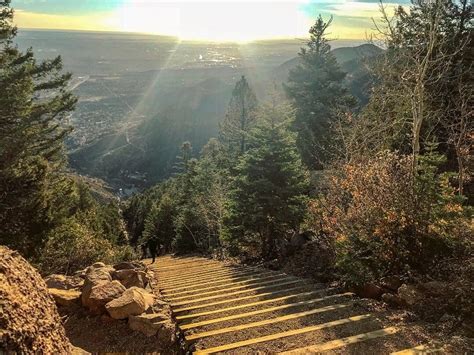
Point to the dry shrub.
(73, 246)
(386, 222)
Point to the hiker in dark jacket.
(152, 245)
(144, 249)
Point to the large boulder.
(369, 290)
(391, 283)
(132, 277)
(102, 294)
(126, 265)
(29, 320)
(93, 277)
(148, 324)
(134, 301)
(409, 294)
(66, 298)
(392, 299)
(62, 282)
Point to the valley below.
(140, 96)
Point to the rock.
(435, 288)
(62, 282)
(98, 265)
(129, 265)
(78, 351)
(80, 273)
(447, 318)
(167, 335)
(299, 239)
(29, 319)
(409, 294)
(102, 294)
(66, 298)
(392, 299)
(391, 283)
(148, 324)
(93, 278)
(369, 290)
(131, 277)
(134, 301)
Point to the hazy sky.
(197, 19)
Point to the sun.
(213, 21)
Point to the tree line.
(47, 213)
(387, 186)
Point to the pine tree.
(159, 224)
(268, 196)
(240, 118)
(34, 101)
(317, 92)
(211, 185)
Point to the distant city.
(126, 82)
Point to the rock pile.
(120, 292)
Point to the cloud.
(95, 22)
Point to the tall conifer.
(317, 92)
(34, 102)
(268, 198)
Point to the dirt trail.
(243, 310)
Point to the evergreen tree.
(240, 118)
(186, 222)
(317, 92)
(33, 103)
(211, 184)
(268, 196)
(159, 224)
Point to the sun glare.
(214, 21)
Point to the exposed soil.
(105, 335)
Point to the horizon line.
(177, 38)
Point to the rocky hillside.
(29, 321)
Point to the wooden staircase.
(247, 310)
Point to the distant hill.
(343, 55)
(351, 59)
(346, 54)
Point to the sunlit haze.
(195, 19)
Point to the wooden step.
(226, 290)
(205, 305)
(419, 350)
(198, 300)
(266, 321)
(253, 304)
(280, 335)
(260, 311)
(201, 279)
(339, 343)
(205, 281)
(248, 281)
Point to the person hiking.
(144, 248)
(152, 245)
